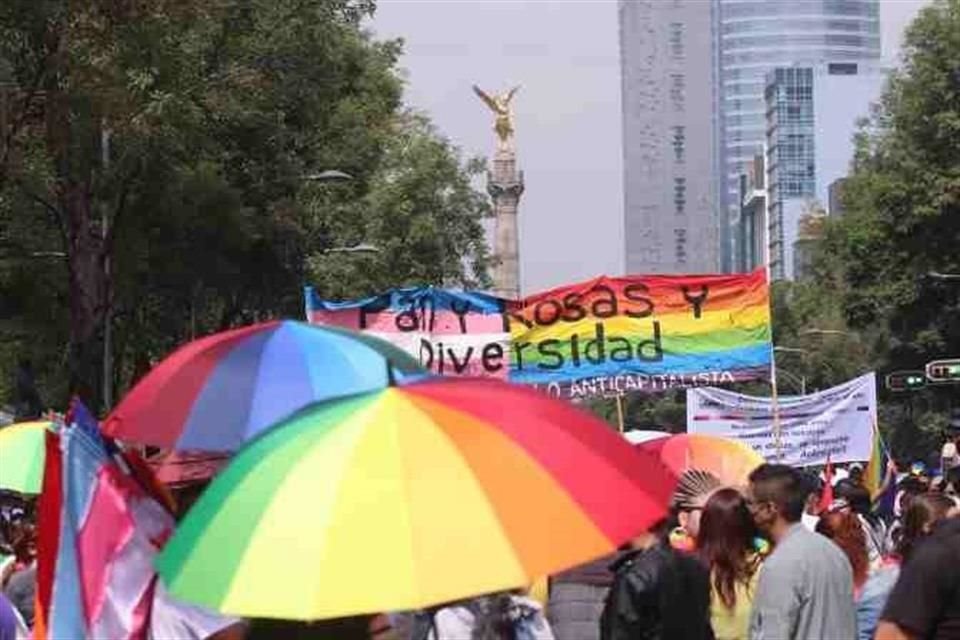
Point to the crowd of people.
(778, 561)
(789, 556)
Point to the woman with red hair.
(872, 583)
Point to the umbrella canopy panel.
(410, 497)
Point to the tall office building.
(670, 135)
(756, 36)
(811, 119)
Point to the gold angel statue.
(500, 104)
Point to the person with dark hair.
(498, 616)
(693, 489)
(658, 593)
(727, 544)
(872, 582)
(811, 509)
(805, 589)
(922, 514)
(925, 603)
(858, 498)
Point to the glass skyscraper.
(756, 36)
(790, 161)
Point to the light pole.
(361, 248)
(328, 175)
(802, 378)
(946, 277)
(825, 332)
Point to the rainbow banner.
(605, 336)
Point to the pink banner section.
(438, 322)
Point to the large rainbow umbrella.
(217, 392)
(409, 497)
(22, 456)
(730, 460)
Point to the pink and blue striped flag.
(101, 577)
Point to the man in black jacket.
(658, 593)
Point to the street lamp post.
(801, 378)
(361, 248)
(947, 277)
(825, 332)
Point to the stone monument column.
(505, 185)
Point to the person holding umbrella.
(661, 592)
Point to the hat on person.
(949, 455)
(694, 486)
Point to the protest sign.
(601, 337)
(836, 423)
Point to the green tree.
(902, 222)
(421, 214)
(903, 203)
(162, 148)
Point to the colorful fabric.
(268, 371)
(22, 452)
(99, 583)
(439, 490)
(607, 335)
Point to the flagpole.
(775, 405)
(619, 399)
(774, 394)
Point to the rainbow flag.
(875, 473)
(877, 466)
(603, 336)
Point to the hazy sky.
(565, 54)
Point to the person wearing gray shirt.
(805, 589)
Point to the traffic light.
(906, 381)
(943, 371)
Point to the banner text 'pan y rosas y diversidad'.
(603, 336)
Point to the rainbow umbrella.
(216, 393)
(22, 455)
(730, 460)
(409, 497)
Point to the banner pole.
(775, 405)
(619, 399)
(774, 393)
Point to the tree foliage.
(903, 203)
(153, 174)
(901, 223)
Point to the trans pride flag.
(99, 532)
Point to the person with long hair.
(727, 544)
(923, 512)
(661, 591)
(872, 581)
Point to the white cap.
(949, 452)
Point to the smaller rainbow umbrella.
(22, 455)
(409, 497)
(217, 392)
(729, 460)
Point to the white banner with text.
(836, 423)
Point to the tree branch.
(51, 208)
